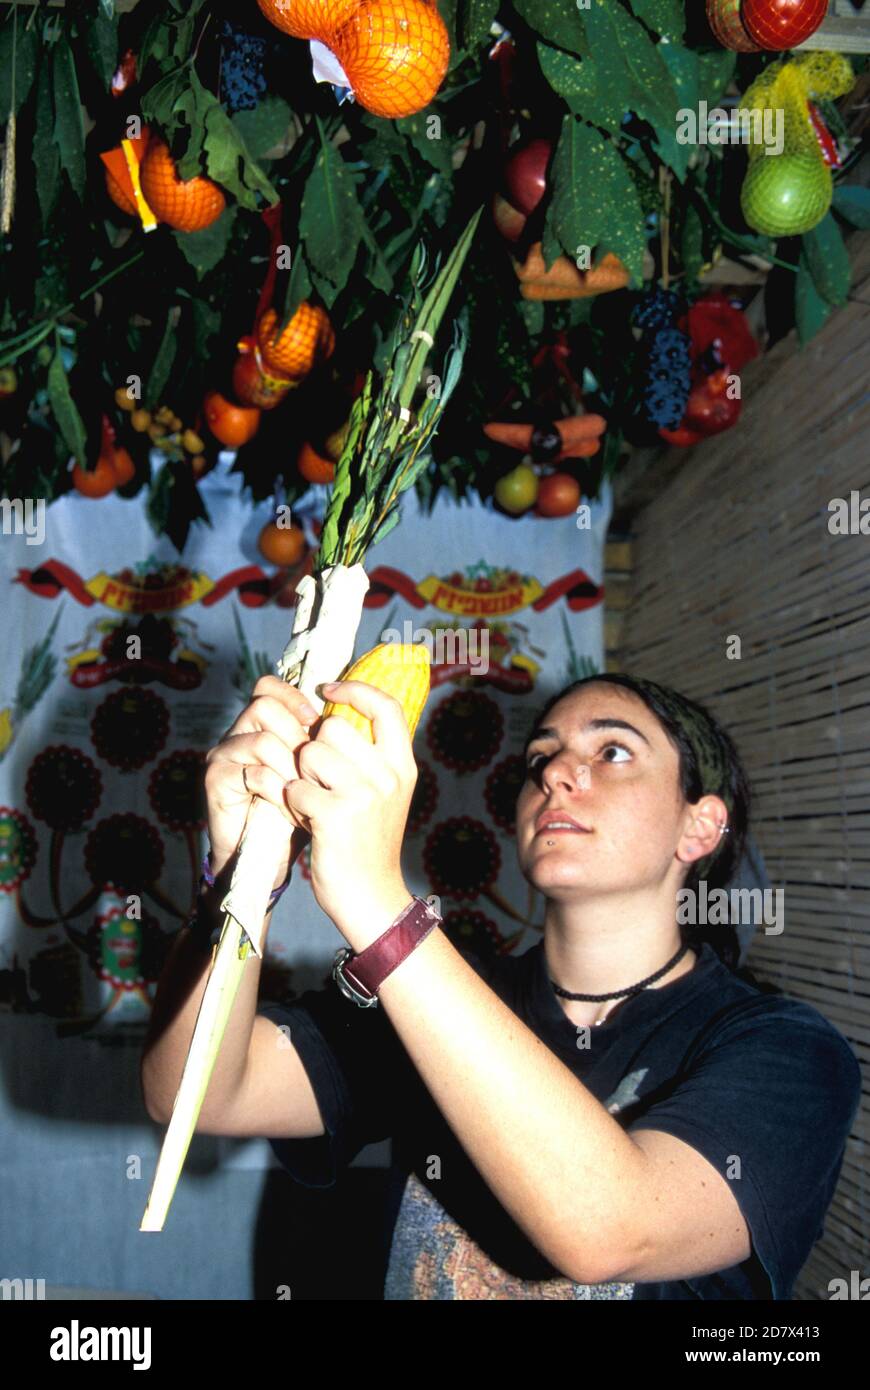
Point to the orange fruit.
(188, 205)
(124, 467)
(395, 54)
(282, 545)
(307, 340)
(232, 424)
(98, 481)
(309, 19)
(313, 466)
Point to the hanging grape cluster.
(243, 62)
(667, 378)
(660, 309)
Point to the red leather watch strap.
(370, 968)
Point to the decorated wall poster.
(125, 662)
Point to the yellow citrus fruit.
(140, 420)
(395, 54)
(188, 205)
(309, 19)
(123, 399)
(307, 340)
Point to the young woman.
(613, 1114)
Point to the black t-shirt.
(761, 1085)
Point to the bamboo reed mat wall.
(738, 544)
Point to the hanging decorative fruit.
(517, 491)
(188, 205)
(525, 175)
(713, 406)
(395, 55)
(252, 385)
(307, 340)
(787, 194)
(335, 442)
(233, 425)
(781, 24)
(313, 466)
(282, 545)
(509, 221)
(98, 481)
(726, 21)
(575, 436)
(558, 495)
(309, 19)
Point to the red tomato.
(780, 24)
(558, 495)
(526, 175)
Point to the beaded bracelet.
(275, 894)
(200, 925)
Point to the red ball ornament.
(781, 24)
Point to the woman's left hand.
(356, 796)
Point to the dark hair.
(718, 867)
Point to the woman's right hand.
(257, 756)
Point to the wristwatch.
(360, 977)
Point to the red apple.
(781, 24)
(558, 495)
(526, 175)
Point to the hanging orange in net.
(395, 54)
(307, 340)
(188, 205)
(309, 19)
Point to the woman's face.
(621, 784)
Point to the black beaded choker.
(622, 993)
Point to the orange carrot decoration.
(579, 435)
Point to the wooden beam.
(839, 34)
